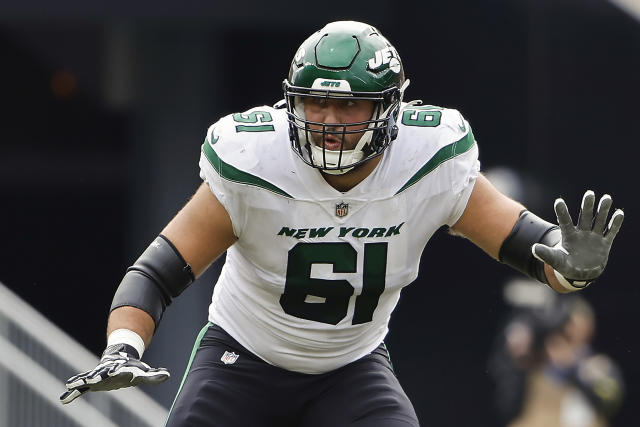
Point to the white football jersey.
(312, 280)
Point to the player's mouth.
(332, 143)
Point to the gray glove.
(582, 254)
(119, 367)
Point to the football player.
(324, 203)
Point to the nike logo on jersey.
(360, 232)
(462, 126)
(212, 138)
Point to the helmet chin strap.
(333, 157)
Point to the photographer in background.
(545, 371)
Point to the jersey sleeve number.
(252, 119)
(426, 116)
(336, 293)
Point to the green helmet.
(345, 59)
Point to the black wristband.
(516, 248)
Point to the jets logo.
(328, 83)
(299, 55)
(387, 55)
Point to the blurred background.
(105, 106)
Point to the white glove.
(119, 367)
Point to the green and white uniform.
(315, 274)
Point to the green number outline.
(253, 117)
(426, 116)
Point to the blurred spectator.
(545, 371)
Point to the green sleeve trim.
(228, 172)
(447, 152)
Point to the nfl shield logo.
(229, 357)
(342, 209)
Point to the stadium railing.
(36, 357)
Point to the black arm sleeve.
(158, 276)
(516, 248)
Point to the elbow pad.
(158, 276)
(516, 248)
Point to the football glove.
(119, 367)
(582, 254)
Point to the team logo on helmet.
(387, 55)
(342, 209)
(330, 84)
(299, 55)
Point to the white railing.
(632, 7)
(36, 357)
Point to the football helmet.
(344, 59)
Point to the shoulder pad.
(256, 120)
(432, 116)
(435, 142)
(251, 148)
(241, 132)
(435, 127)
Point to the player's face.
(337, 111)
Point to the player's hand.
(119, 367)
(582, 254)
